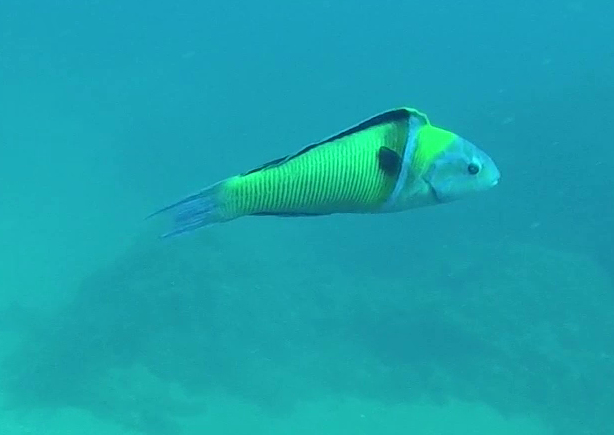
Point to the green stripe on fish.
(348, 172)
(391, 162)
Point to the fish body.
(393, 161)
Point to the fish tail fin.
(195, 211)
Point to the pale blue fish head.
(461, 170)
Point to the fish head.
(460, 169)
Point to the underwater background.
(493, 315)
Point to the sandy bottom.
(335, 415)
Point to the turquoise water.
(487, 316)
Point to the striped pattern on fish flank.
(341, 174)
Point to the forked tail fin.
(194, 212)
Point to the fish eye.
(473, 168)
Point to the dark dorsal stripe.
(383, 118)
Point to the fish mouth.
(496, 176)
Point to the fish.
(391, 162)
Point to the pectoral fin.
(389, 161)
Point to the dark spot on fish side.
(389, 161)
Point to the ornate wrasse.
(394, 161)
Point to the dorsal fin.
(267, 165)
(383, 118)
